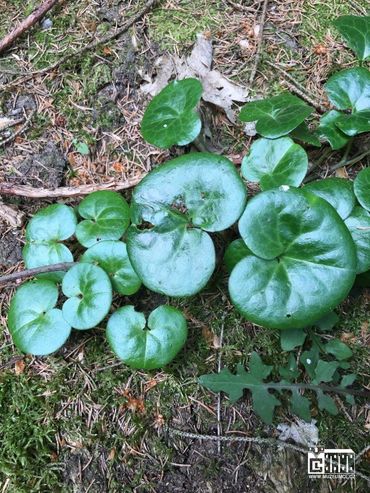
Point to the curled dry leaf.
(19, 367)
(217, 89)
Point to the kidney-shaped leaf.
(275, 162)
(362, 188)
(354, 124)
(276, 116)
(45, 231)
(350, 89)
(356, 31)
(337, 191)
(89, 293)
(112, 257)
(170, 117)
(171, 210)
(147, 346)
(107, 216)
(358, 224)
(304, 260)
(36, 326)
(328, 130)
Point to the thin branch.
(19, 131)
(351, 162)
(24, 274)
(30, 21)
(91, 46)
(260, 43)
(40, 193)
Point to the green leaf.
(338, 349)
(286, 285)
(147, 347)
(89, 293)
(337, 191)
(363, 280)
(358, 224)
(361, 187)
(82, 148)
(300, 405)
(257, 368)
(303, 134)
(327, 322)
(170, 117)
(325, 370)
(348, 380)
(235, 251)
(107, 216)
(275, 162)
(172, 208)
(48, 227)
(112, 257)
(264, 402)
(309, 360)
(328, 130)
(36, 326)
(354, 124)
(276, 116)
(350, 89)
(289, 372)
(356, 31)
(326, 403)
(292, 338)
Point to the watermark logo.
(331, 463)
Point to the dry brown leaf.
(112, 454)
(341, 172)
(19, 367)
(348, 337)
(364, 329)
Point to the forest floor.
(80, 421)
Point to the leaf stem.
(325, 388)
(23, 274)
(351, 162)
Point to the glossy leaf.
(292, 338)
(235, 251)
(275, 162)
(356, 31)
(362, 188)
(112, 257)
(107, 216)
(303, 134)
(89, 293)
(276, 116)
(36, 326)
(337, 191)
(286, 284)
(45, 231)
(170, 117)
(338, 349)
(358, 224)
(350, 89)
(354, 124)
(328, 130)
(172, 208)
(147, 346)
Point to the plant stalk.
(23, 274)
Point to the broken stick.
(30, 21)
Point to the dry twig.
(260, 42)
(30, 21)
(13, 217)
(19, 131)
(23, 274)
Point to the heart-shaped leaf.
(337, 191)
(45, 231)
(350, 89)
(276, 116)
(303, 133)
(354, 124)
(36, 326)
(275, 162)
(362, 188)
(286, 284)
(328, 130)
(107, 216)
(147, 346)
(356, 31)
(358, 224)
(172, 207)
(235, 251)
(112, 257)
(170, 117)
(89, 293)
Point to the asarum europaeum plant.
(300, 251)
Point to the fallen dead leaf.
(341, 172)
(112, 454)
(348, 337)
(320, 49)
(19, 367)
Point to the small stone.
(46, 24)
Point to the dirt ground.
(79, 421)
